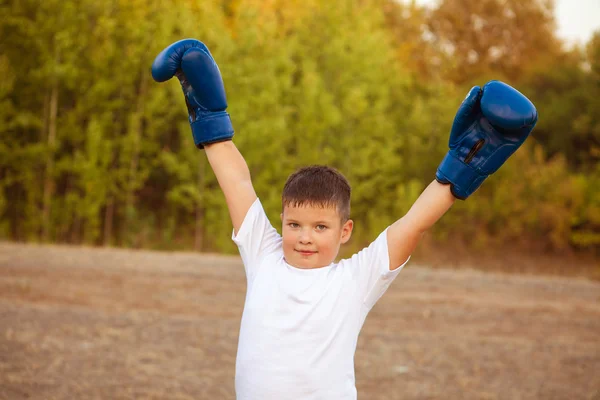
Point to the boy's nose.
(304, 237)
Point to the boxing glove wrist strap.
(464, 178)
(212, 129)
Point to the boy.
(303, 312)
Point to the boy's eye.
(321, 227)
(293, 225)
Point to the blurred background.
(98, 171)
(94, 152)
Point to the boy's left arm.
(404, 235)
(490, 125)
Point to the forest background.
(94, 152)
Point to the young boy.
(303, 311)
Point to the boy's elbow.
(405, 232)
(414, 226)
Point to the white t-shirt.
(300, 327)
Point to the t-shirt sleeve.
(372, 266)
(256, 239)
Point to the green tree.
(567, 94)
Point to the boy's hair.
(318, 185)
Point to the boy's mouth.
(306, 252)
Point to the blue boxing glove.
(489, 127)
(201, 81)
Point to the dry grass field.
(81, 323)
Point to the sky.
(576, 19)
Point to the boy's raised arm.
(404, 234)
(234, 178)
(191, 62)
(490, 125)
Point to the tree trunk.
(75, 231)
(49, 179)
(45, 118)
(199, 235)
(133, 165)
(108, 221)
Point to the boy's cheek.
(288, 242)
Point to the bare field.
(82, 323)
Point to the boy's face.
(312, 235)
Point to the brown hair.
(318, 185)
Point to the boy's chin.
(303, 262)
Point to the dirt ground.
(82, 323)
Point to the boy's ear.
(347, 231)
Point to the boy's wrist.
(217, 144)
(226, 161)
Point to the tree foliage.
(92, 151)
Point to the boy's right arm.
(233, 175)
(191, 62)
